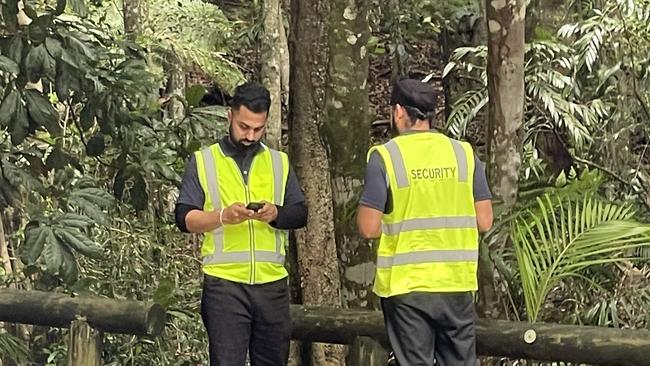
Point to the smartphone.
(255, 206)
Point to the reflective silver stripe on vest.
(428, 256)
(446, 222)
(244, 257)
(278, 179)
(400, 168)
(219, 256)
(461, 160)
(213, 189)
(398, 164)
(278, 175)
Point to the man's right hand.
(236, 214)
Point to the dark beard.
(238, 144)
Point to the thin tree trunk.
(272, 69)
(176, 84)
(132, 13)
(347, 135)
(316, 246)
(505, 24)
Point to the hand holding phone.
(255, 206)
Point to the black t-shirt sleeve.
(191, 191)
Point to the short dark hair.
(253, 96)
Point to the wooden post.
(85, 347)
(366, 351)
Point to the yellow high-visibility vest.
(251, 252)
(429, 242)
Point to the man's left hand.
(267, 213)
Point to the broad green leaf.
(60, 7)
(52, 253)
(19, 126)
(75, 221)
(95, 196)
(9, 13)
(96, 145)
(53, 47)
(69, 268)
(34, 63)
(8, 107)
(42, 111)
(8, 65)
(194, 94)
(35, 239)
(87, 116)
(80, 47)
(15, 51)
(79, 242)
(57, 159)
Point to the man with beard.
(244, 197)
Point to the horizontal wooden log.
(59, 310)
(539, 341)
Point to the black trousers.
(240, 317)
(423, 326)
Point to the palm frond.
(559, 239)
(465, 110)
(12, 348)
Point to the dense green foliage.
(90, 159)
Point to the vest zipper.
(251, 232)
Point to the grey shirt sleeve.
(375, 190)
(481, 187)
(376, 193)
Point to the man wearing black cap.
(426, 197)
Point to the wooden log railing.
(87, 318)
(538, 341)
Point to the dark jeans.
(423, 326)
(240, 317)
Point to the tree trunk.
(505, 69)
(316, 246)
(85, 345)
(132, 11)
(59, 310)
(272, 69)
(538, 341)
(176, 84)
(348, 137)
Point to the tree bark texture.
(85, 347)
(176, 84)
(505, 70)
(132, 12)
(316, 246)
(506, 91)
(59, 310)
(347, 135)
(272, 69)
(538, 341)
